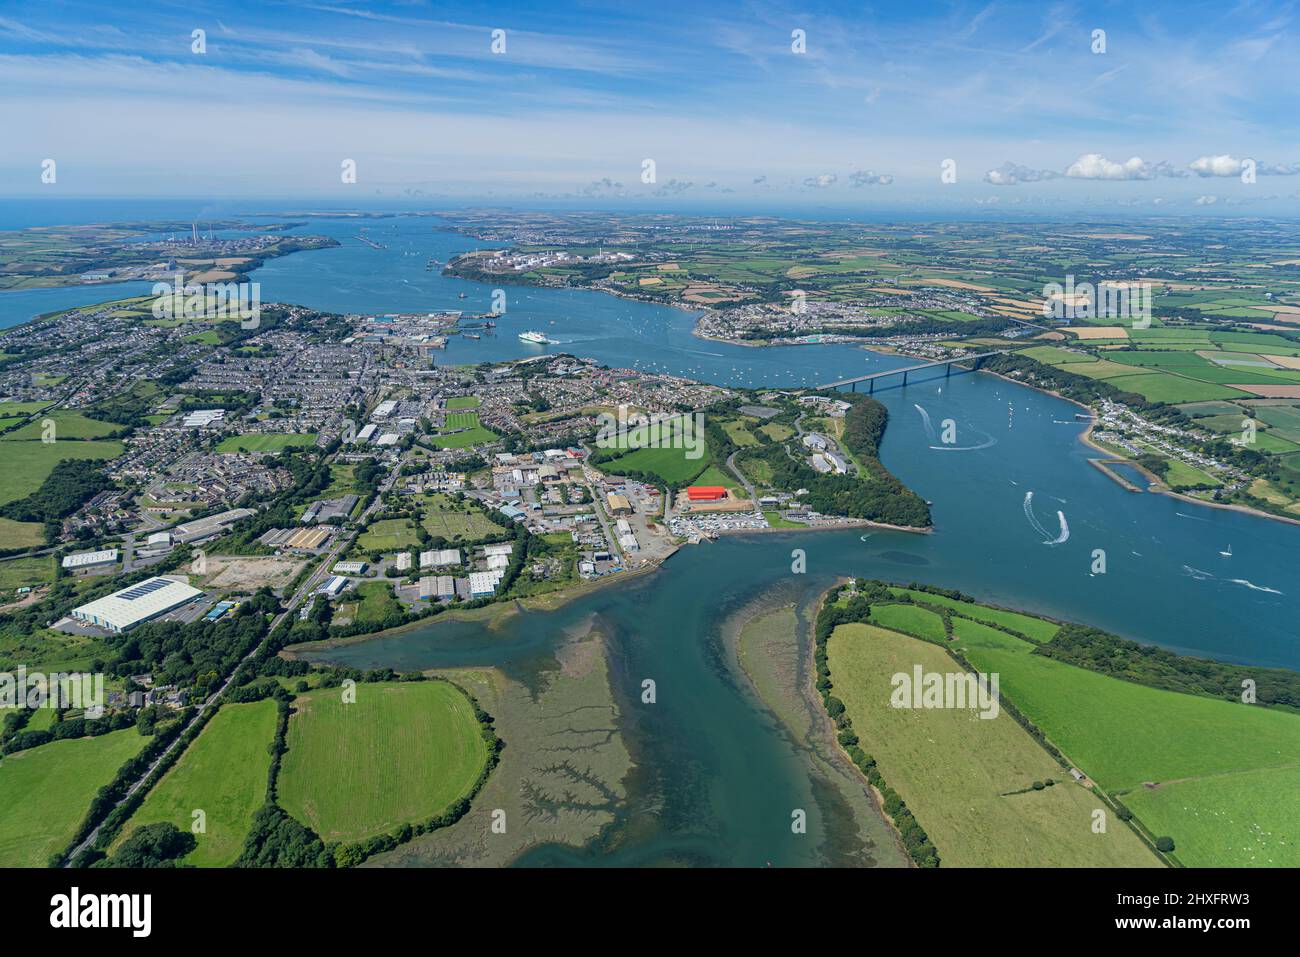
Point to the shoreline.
(1162, 488)
(489, 615)
(838, 527)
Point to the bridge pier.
(947, 369)
(904, 377)
(853, 386)
(871, 387)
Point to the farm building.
(130, 606)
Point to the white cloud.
(1209, 200)
(1221, 165)
(866, 177)
(1096, 166)
(1012, 174)
(821, 182)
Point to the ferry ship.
(534, 337)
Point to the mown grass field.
(401, 753)
(910, 620)
(266, 442)
(387, 535)
(1128, 737)
(223, 773)
(957, 771)
(65, 424)
(671, 465)
(464, 402)
(1246, 819)
(45, 792)
(466, 522)
(28, 464)
(473, 434)
(1037, 628)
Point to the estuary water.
(1021, 519)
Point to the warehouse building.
(483, 584)
(130, 606)
(209, 526)
(440, 556)
(618, 504)
(706, 493)
(350, 568)
(437, 588)
(334, 587)
(107, 556)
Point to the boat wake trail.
(1062, 536)
(929, 434)
(1204, 576)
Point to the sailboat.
(1227, 553)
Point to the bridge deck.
(906, 369)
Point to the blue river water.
(1017, 461)
(1019, 518)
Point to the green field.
(671, 465)
(27, 464)
(388, 535)
(1248, 818)
(45, 792)
(473, 434)
(400, 754)
(267, 442)
(464, 402)
(910, 620)
(17, 572)
(66, 425)
(223, 773)
(1164, 387)
(1038, 629)
(464, 522)
(1127, 736)
(969, 780)
(376, 602)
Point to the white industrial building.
(437, 588)
(350, 568)
(403, 561)
(440, 556)
(107, 556)
(203, 418)
(482, 584)
(209, 526)
(505, 548)
(367, 433)
(384, 409)
(334, 587)
(130, 606)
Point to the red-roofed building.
(706, 493)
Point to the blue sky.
(1013, 93)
